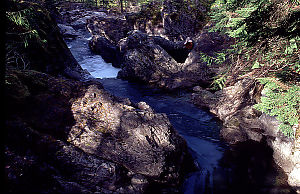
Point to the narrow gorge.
(104, 102)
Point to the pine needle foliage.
(21, 32)
(20, 25)
(282, 102)
(267, 41)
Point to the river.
(247, 168)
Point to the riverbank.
(134, 91)
(66, 134)
(233, 105)
(131, 146)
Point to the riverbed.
(246, 168)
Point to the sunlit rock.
(88, 139)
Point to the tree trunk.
(121, 5)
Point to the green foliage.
(269, 26)
(267, 41)
(22, 32)
(20, 19)
(21, 24)
(219, 82)
(281, 102)
(217, 59)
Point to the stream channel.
(246, 168)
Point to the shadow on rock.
(67, 136)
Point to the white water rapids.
(93, 63)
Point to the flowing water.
(88, 60)
(246, 168)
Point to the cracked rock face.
(146, 61)
(141, 140)
(70, 136)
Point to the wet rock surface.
(71, 136)
(155, 60)
(145, 61)
(74, 137)
(67, 136)
(286, 151)
(67, 31)
(167, 64)
(232, 106)
(109, 52)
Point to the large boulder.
(67, 31)
(145, 60)
(72, 137)
(232, 105)
(286, 151)
(102, 46)
(177, 49)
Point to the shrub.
(281, 101)
(267, 41)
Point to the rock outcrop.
(67, 31)
(66, 135)
(241, 122)
(109, 52)
(155, 60)
(177, 50)
(286, 151)
(69, 136)
(78, 17)
(232, 105)
(146, 61)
